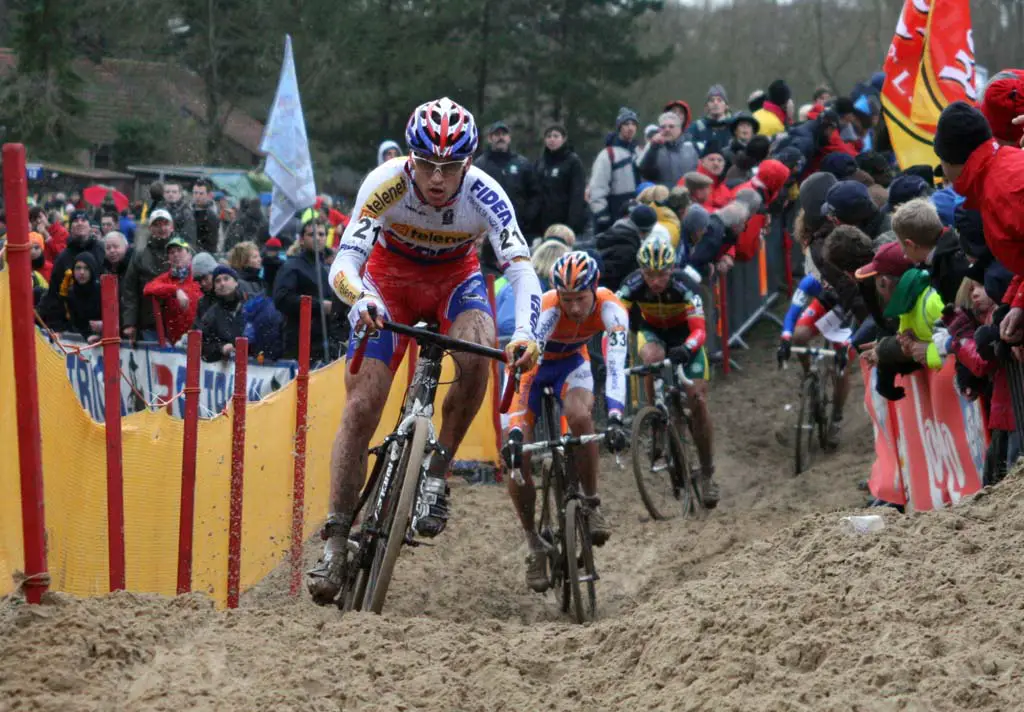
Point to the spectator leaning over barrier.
(562, 182)
(849, 203)
(619, 244)
(771, 117)
(905, 188)
(614, 175)
(146, 264)
(699, 186)
(245, 260)
(669, 155)
(224, 321)
(298, 277)
(80, 240)
(712, 164)
(203, 266)
(204, 213)
(745, 160)
(181, 211)
(80, 291)
(926, 242)
(176, 292)
(715, 125)
(272, 262)
(656, 197)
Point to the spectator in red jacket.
(712, 165)
(991, 179)
(175, 291)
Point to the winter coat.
(184, 220)
(250, 282)
(51, 306)
(83, 300)
(164, 288)
(613, 181)
(271, 265)
(515, 174)
(720, 194)
(716, 239)
(771, 119)
(146, 264)
(58, 241)
(918, 307)
(206, 303)
(965, 348)
(127, 227)
(991, 181)
(948, 266)
(706, 129)
(562, 183)
(666, 163)
(222, 323)
(296, 278)
(207, 229)
(618, 247)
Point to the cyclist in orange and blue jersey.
(571, 313)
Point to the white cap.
(160, 214)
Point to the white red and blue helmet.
(442, 129)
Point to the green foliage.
(140, 141)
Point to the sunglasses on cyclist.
(447, 169)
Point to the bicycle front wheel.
(395, 523)
(658, 460)
(579, 554)
(806, 425)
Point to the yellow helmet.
(656, 253)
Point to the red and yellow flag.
(930, 64)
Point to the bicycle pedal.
(414, 542)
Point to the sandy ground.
(765, 605)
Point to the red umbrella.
(96, 194)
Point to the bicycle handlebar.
(564, 441)
(813, 351)
(652, 368)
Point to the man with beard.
(562, 182)
(146, 264)
(80, 240)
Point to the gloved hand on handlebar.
(785, 350)
(529, 356)
(615, 438)
(368, 311)
(681, 354)
(512, 451)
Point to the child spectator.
(81, 293)
(927, 242)
(176, 292)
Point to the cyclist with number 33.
(571, 314)
(409, 255)
(668, 313)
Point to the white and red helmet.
(442, 129)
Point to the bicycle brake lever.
(517, 476)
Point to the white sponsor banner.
(158, 374)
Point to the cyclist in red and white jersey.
(409, 251)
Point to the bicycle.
(394, 483)
(564, 524)
(814, 416)
(667, 419)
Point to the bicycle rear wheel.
(806, 424)
(579, 556)
(398, 513)
(658, 460)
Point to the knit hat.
(35, 238)
(203, 264)
(626, 114)
(849, 202)
(1002, 102)
(841, 165)
(712, 147)
(695, 220)
(779, 93)
(643, 216)
(717, 90)
(225, 269)
(273, 244)
(961, 129)
(812, 196)
(905, 188)
(758, 148)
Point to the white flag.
(284, 141)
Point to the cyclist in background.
(665, 309)
(409, 254)
(572, 312)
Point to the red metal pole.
(158, 320)
(189, 446)
(237, 469)
(787, 254)
(301, 409)
(112, 428)
(723, 321)
(26, 391)
(495, 376)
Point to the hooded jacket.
(666, 163)
(618, 246)
(83, 300)
(386, 146)
(707, 129)
(51, 306)
(720, 194)
(918, 307)
(562, 183)
(613, 181)
(991, 182)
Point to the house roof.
(98, 174)
(119, 88)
